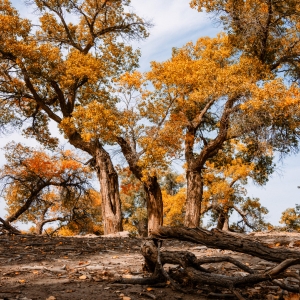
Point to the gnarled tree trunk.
(154, 204)
(109, 183)
(219, 239)
(194, 198)
(5, 226)
(142, 227)
(109, 188)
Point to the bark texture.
(194, 198)
(223, 220)
(151, 185)
(111, 204)
(154, 204)
(219, 239)
(109, 182)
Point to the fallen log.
(219, 239)
(189, 271)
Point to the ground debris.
(68, 268)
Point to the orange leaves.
(253, 27)
(37, 163)
(198, 72)
(131, 80)
(11, 23)
(43, 187)
(79, 66)
(279, 102)
(41, 165)
(291, 218)
(62, 65)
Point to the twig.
(149, 295)
(82, 266)
(286, 287)
(238, 295)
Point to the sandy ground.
(33, 267)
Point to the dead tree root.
(190, 272)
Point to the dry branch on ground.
(190, 271)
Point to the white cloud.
(175, 24)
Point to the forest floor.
(74, 268)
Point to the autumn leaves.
(42, 188)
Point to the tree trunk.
(151, 187)
(109, 188)
(142, 227)
(6, 226)
(108, 179)
(226, 223)
(194, 199)
(154, 204)
(223, 220)
(39, 228)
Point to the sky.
(176, 24)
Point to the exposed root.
(191, 272)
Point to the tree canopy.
(41, 188)
(65, 62)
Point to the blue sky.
(175, 24)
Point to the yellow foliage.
(96, 121)
(174, 207)
(65, 231)
(55, 71)
(291, 218)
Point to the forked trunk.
(194, 199)
(154, 204)
(109, 185)
(151, 187)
